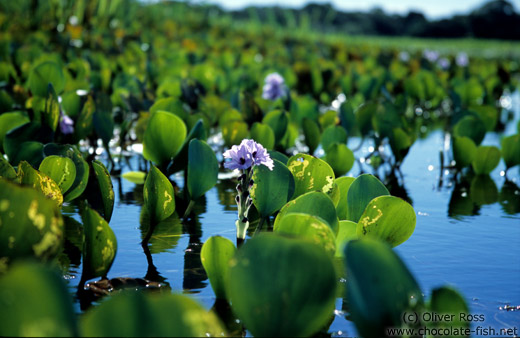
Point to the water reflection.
(510, 198)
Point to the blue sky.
(433, 9)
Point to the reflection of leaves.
(226, 194)
(510, 198)
(483, 190)
(460, 201)
(166, 234)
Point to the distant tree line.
(496, 19)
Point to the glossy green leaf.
(312, 203)
(82, 169)
(263, 134)
(60, 169)
(472, 127)
(343, 187)
(100, 246)
(271, 189)
(106, 190)
(10, 121)
(486, 159)
(136, 177)
(180, 161)
(158, 195)
(40, 181)
(170, 104)
(464, 151)
(347, 232)
(276, 155)
(163, 137)
(387, 218)
(215, 255)
(6, 170)
(202, 168)
(278, 121)
(17, 149)
(51, 114)
(312, 134)
(311, 228)
(42, 75)
(364, 189)
(141, 314)
(448, 303)
(35, 302)
(294, 285)
(85, 121)
(511, 150)
(31, 225)
(310, 174)
(340, 158)
(234, 132)
(333, 134)
(379, 287)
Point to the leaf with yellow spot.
(40, 181)
(310, 174)
(158, 195)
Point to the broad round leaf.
(234, 132)
(340, 158)
(464, 150)
(263, 134)
(215, 255)
(40, 181)
(364, 189)
(138, 314)
(82, 170)
(472, 127)
(278, 121)
(294, 285)
(447, 301)
(35, 302)
(311, 228)
(202, 168)
(180, 161)
(158, 195)
(10, 121)
(313, 203)
(379, 287)
(333, 134)
(486, 159)
(106, 190)
(511, 150)
(14, 141)
(271, 189)
(6, 170)
(387, 218)
(343, 186)
(100, 246)
(312, 134)
(346, 233)
(42, 75)
(60, 169)
(310, 174)
(163, 137)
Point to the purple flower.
(66, 124)
(247, 154)
(274, 87)
(443, 63)
(462, 59)
(430, 55)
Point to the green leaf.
(136, 177)
(100, 246)
(488, 115)
(333, 134)
(278, 121)
(276, 155)
(85, 121)
(310, 174)
(234, 132)
(448, 303)
(10, 121)
(171, 105)
(387, 218)
(271, 189)
(472, 127)
(51, 114)
(141, 314)
(511, 150)
(6, 170)
(215, 255)
(35, 302)
(312, 134)
(42, 75)
(364, 117)
(343, 185)
(379, 287)
(346, 233)
(30, 151)
(163, 137)
(104, 125)
(40, 181)
(400, 142)
(263, 134)
(364, 189)
(311, 228)
(340, 158)
(180, 161)
(61, 170)
(312, 203)
(486, 159)
(202, 168)
(31, 225)
(464, 150)
(30, 132)
(294, 285)
(82, 169)
(158, 195)
(105, 188)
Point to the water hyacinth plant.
(244, 157)
(274, 87)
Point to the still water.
(466, 236)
